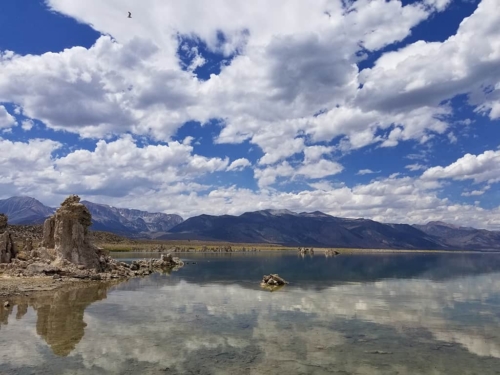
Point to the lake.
(352, 314)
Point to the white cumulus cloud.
(6, 119)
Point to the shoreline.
(13, 286)
(318, 251)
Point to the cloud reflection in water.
(380, 325)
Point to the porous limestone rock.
(3, 221)
(28, 245)
(7, 247)
(67, 252)
(48, 233)
(25, 253)
(67, 233)
(273, 280)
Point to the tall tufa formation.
(67, 233)
(3, 222)
(7, 248)
(66, 251)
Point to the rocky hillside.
(35, 232)
(25, 210)
(123, 221)
(129, 222)
(304, 229)
(315, 229)
(462, 237)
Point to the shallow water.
(353, 314)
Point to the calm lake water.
(353, 314)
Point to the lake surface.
(352, 314)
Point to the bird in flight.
(129, 15)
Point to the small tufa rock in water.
(6, 304)
(273, 280)
(304, 250)
(331, 253)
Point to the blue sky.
(381, 109)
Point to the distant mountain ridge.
(285, 227)
(27, 210)
(304, 229)
(462, 237)
(320, 229)
(129, 221)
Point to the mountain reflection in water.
(356, 314)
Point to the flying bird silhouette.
(129, 15)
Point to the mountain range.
(25, 210)
(462, 237)
(303, 229)
(322, 230)
(284, 227)
(133, 223)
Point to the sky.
(387, 110)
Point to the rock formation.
(3, 221)
(67, 233)
(272, 281)
(331, 253)
(67, 251)
(304, 250)
(28, 245)
(7, 247)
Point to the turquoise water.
(352, 314)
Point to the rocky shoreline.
(66, 255)
(13, 287)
